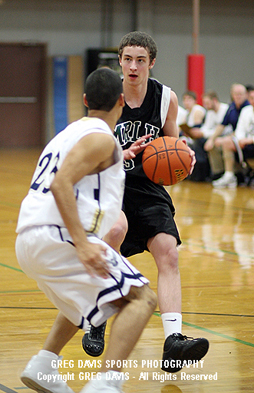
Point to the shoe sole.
(34, 385)
(195, 353)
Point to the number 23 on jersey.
(44, 173)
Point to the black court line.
(218, 314)
(156, 312)
(213, 314)
(6, 390)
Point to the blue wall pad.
(60, 76)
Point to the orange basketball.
(166, 161)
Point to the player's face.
(135, 63)
(188, 102)
(239, 95)
(207, 103)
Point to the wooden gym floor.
(217, 271)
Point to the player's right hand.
(93, 257)
(136, 147)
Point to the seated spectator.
(227, 127)
(241, 144)
(216, 111)
(193, 121)
(195, 112)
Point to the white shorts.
(48, 255)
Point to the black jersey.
(149, 118)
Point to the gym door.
(22, 94)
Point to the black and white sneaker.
(180, 350)
(93, 340)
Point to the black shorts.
(245, 153)
(146, 221)
(248, 151)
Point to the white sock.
(86, 326)
(229, 174)
(172, 323)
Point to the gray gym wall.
(69, 27)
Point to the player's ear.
(152, 64)
(121, 100)
(85, 100)
(120, 60)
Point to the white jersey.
(191, 114)
(245, 124)
(181, 115)
(98, 196)
(213, 119)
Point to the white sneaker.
(225, 182)
(110, 382)
(39, 375)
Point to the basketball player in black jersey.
(150, 110)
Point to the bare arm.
(90, 155)
(210, 141)
(171, 129)
(198, 116)
(194, 133)
(246, 141)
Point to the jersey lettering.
(129, 132)
(150, 129)
(48, 165)
(128, 165)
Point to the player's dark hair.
(103, 88)
(139, 38)
(249, 88)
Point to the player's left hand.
(193, 157)
(136, 147)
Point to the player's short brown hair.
(139, 38)
(190, 93)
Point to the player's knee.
(117, 233)
(168, 260)
(144, 296)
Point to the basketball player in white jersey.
(74, 199)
